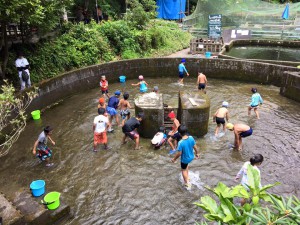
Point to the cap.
(155, 88)
(141, 77)
(229, 126)
(103, 76)
(254, 90)
(183, 60)
(118, 92)
(225, 104)
(101, 100)
(171, 115)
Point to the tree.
(13, 117)
(42, 14)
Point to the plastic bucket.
(207, 54)
(51, 200)
(122, 79)
(36, 115)
(37, 187)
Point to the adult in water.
(240, 131)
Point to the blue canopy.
(286, 12)
(171, 9)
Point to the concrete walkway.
(185, 54)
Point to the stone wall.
(291, 86)
(83, 79)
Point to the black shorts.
(176, 136)
(220, 120)
(104, 92)
(181, 75)
(183, 165)
(201, 86)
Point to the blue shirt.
(143, 87)
(186, 147)
(181, 68)
(113, 102)
(256, 99)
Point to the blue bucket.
(207, 54)
(122, 79)
(37, 187)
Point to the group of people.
(178, 137)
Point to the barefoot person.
(40, 148)
(255, 161)
(130, 129)
(201, 82)
(112, 107)
(100, 126)
(186, 148)
(182, 70)
(219, 117)
(174, 135)
(142, 83)
(240, 131)
(255, 101)
(104, 86)
(124, 107)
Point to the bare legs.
(185, 175)
(255, 109)
(170, 141)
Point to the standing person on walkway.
(100, 126)
(130, 129)
(240, 131)
(23, 69)
(182, 70)
(40, 148)
(201, 82)
(255, 101)
(186, 148)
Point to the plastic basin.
(36, 115)
(122, 79)
(51, 200)
(207, 54)
(37, 187)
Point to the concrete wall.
(76, 81)
(291, 86)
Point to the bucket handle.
(46, 203)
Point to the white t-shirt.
(21, 62)
(100, 123)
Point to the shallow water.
(265, 52)
(123, 186)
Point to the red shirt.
(102, 84)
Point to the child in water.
(159, 138)
(181, 71)
(255, 101)
(219, 117)
(201, 82)
(255, 161)
(124, 107)
(174, 134)
(104, 86)
(143, 84)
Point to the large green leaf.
(208, 204)
(253, 179)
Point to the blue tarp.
(171, 9)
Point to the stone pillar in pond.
(194, 112)
(151, 104)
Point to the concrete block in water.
(193, 111)
(9, 215)
(151, 104)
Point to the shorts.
(184, 165)
(124, 113)
(176, 136)
(181, 75)
(100, 138)
(133, 134)
(220, 120)
(253, 106)
(160, 143)
(201, 86)
(44, 153)
(111, 111)
(104, 91)
(246, 133)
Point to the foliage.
(13, 118)
(278, 210)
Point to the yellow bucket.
(36, 115)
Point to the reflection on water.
(123, 186)
(264, 52)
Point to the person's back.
(240, 128)
(130, 125)
(113, 102)
(143, 86)
(186, 146)
(202, 78)
(222, 112)
(123, 104)
(100, 122)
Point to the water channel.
(265, 52)
(124, 186)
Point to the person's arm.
(260, 100)
(252, 101)
(205, 81)
(108, 124)
(185, 70)
(51, 140)
(176, 157)
(128, 105)
(240, 173)
(136, 84)
(120, 102)
(236, 140)
(94, 127)
(196, 151)
(198, 80)
(227, 116)
(146, 83)
(34, 147)
(215, 115)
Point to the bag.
(25, 76)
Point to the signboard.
(214, 26)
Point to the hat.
(103, 76)
(225, 104)
(118, 92)
(141, 77)
(171, 115)
(229, 126)
(183, 60)
(155, 88)
(101, 100)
